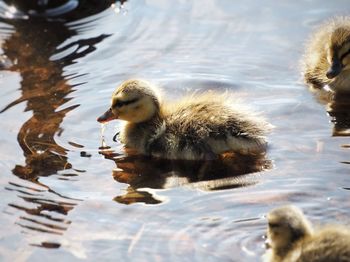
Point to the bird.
(198, 127)
(291, 237)
(327, 56)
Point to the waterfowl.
(199, 127)
(327, 57)
(292, 238)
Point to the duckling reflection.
(327, 58)
(140, 172)
(339, 111)
(337, 106)
(292, 238)
(137, 196)
(199, 127)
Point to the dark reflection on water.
(339, 111)
(146, 172)
(338, 108)
(45, 90)
(47, 245)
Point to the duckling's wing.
(177, 140)
(215, 125)
(238, 133)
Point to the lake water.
(65, 197)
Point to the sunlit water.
(68, 191)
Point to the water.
(68, 194)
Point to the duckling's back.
(206, 125)
(329, 244)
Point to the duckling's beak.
(334, 69)
(107, 116)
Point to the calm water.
(64, 197)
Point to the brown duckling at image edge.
(291, 237)
(199, 127)
(327, 57)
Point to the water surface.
(64, 197)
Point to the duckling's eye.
(119, 103)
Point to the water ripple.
(41, 209)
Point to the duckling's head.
(286, 225)
(338, 49)
(134, 101)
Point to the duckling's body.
(327, 58)
(292, 238)
(197, 127)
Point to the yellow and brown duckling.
(291, 237)
(327, 58)
(199, 127)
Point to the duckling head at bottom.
(286, 225)
(198, 127)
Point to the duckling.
(327, 57)
(292, 238)
(199, 127)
